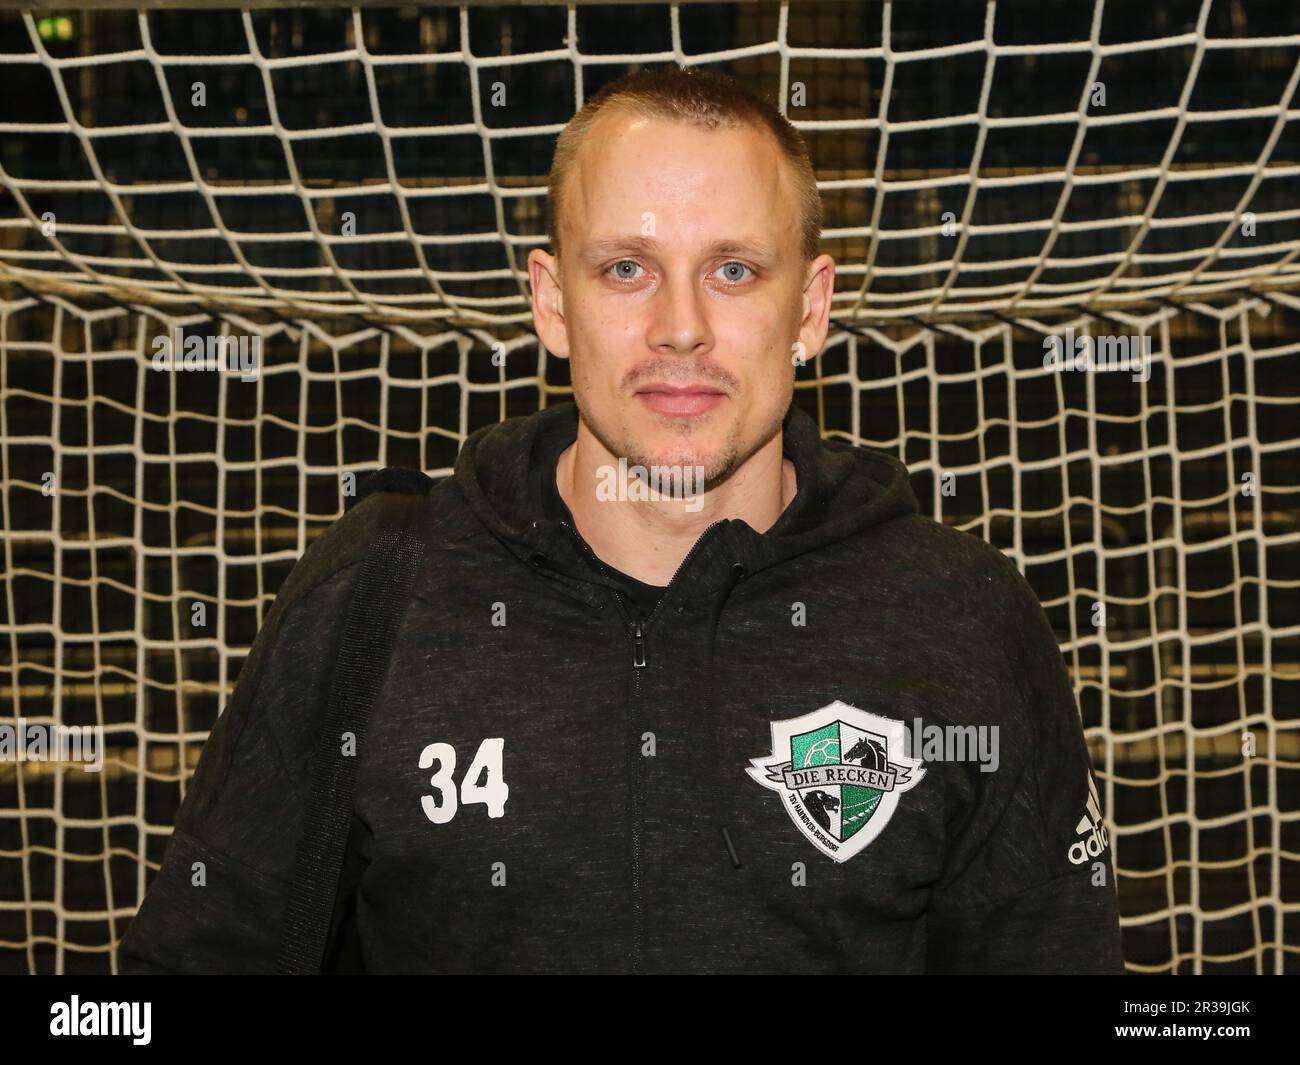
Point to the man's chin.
(672, 443)
(703, 462)
(653, 441)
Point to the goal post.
(1067, 295)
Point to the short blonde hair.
(702, 99)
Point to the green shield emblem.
(840, 773)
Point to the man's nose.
(680, 319)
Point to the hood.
(842, 490)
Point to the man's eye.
(733, 262)
(625, 262)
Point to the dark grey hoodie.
(553, 783)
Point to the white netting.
(1171, 502)
(1041, 209)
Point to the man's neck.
(648, 539)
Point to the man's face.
(681, 268)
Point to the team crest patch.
(840, 773)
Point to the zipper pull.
(638, 653)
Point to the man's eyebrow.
(598, 249)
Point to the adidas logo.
(1092, 827)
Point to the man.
(781, 725)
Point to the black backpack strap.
(391, 479)
(374, 614)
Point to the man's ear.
(818, 293)
(548, 303)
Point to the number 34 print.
(482, 783)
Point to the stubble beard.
(719, 464)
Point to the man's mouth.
(681, 401)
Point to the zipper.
(639, 625)
(638, 646)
